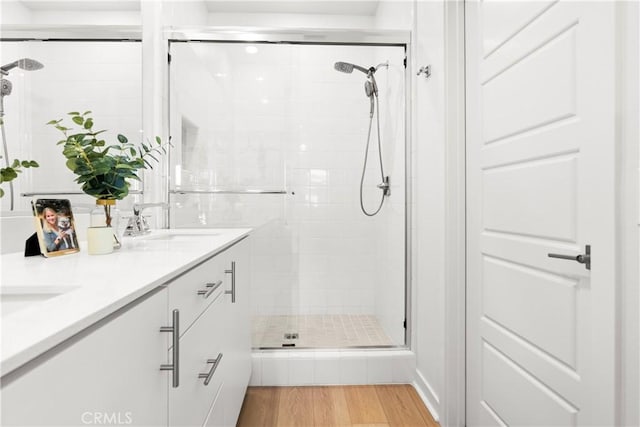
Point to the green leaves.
(104, 170)
(10, 173)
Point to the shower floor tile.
(318, 331)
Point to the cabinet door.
(200, 345)
(108, 374)
(217, 411)
(237, 339)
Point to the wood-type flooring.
(326, 406)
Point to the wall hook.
(426, 70)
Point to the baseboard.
(428, 396)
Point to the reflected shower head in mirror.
(345, 67)
(27, 64)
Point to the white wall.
(428, 200)
(176, 12)
(629, 231)
(15, 12)
(283, 20)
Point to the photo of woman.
(56, 231)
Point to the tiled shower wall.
(264, 117)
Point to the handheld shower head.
(27, 64)
(345, 67)
(369, 90)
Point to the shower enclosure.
(269, 135)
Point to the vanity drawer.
(202, 365)
(195, 290)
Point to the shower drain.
(291, 336)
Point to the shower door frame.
(306, 36)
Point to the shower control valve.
(385, 186)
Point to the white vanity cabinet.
(214, 349)
(178, 356)
(108, 374)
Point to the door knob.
(584, 258)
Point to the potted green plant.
(104, 170)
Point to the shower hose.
(366, 155)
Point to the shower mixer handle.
(385, 186)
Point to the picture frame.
(55, 227)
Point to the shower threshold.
(318, 331)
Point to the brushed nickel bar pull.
(175, 366)
(582, 258)
(233, 282)
(209, 375)
(211, 288)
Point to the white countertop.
(100, 285)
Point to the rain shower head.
(27, 64)
(345, 67)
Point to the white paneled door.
(540, 179)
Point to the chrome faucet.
(137, 224)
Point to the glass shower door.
(271, 136)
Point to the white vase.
(100, 240)
(99, 215)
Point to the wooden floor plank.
(296, 407)
(364, 406)
(330, 407)
(426, 415)
(398, 405)
(260, 407)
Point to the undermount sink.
(16, 299)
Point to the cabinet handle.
(175, 331)
(209, 375)
(211, 288)
(233, 281)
